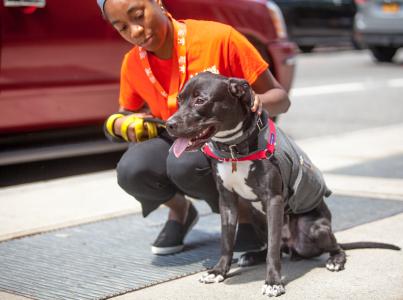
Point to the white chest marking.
(236, 181)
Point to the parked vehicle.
(318, 22)
(59, 70)
(379, 26)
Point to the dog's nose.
(171, 125)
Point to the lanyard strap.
(178, 70)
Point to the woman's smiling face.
(140, 22)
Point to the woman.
(165, 55)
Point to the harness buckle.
(232, 151)
(260, 124)
(269, 155)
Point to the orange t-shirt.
(210, 46)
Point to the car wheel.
(383, 54)
(356, 44)
(306, 49)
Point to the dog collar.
(269, 133)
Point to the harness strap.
(262, 154)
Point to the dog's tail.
(367, 245)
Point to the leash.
(152, 125)
(155, 120)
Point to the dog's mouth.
(183, 144)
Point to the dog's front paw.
(211, 278)
(336, 263)
(273, 290)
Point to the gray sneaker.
(170, 239)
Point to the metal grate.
(109, 258)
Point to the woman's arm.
(270, 95)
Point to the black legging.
(152, 174)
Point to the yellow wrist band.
(125, 125)
(110, 122)
(152, 130)
(139, 129)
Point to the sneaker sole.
(174, 249)
(166, 250)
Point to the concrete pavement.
(369, 274)
(37, 207)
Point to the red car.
(60, 63)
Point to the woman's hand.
(130, 130)
(257, 104)
(271, 94)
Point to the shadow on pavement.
(291, 270)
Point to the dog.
(253, 160)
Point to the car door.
(59, 65)
(326, 17)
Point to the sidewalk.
(370, 274)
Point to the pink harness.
(262, 154)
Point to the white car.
(379, 26)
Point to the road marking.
(328, 89)
(345, 87)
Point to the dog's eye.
(199, 101)
(196, 94)
(179, 100)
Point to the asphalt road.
(343, 91)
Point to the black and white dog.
(253, 160)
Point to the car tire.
(306, 48)
(356, 44)
(383, 54)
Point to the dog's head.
(208, 103)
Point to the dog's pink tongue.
(179, 146)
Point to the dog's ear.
(239, 88)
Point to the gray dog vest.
(305, 186)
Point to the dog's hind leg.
(312, 235)
(229, 216)
(326, 241)
(324, 237)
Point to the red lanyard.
(178, 71)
